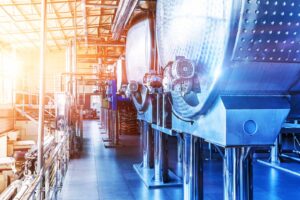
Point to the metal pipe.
(158, 177)
(84, 16)
(43, 33)
(94, 5)
(275, 152)
(10, 190)
(179, 148)
(30, 185)
(74, 69)
(26, 185)
(160, 148)
(114, 127)
(124, 12)
(147, 143)
(238, 174)
(78, 74)
(107, 44)
(192, 168)
(81, 123)
(43, 43)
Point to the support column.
(238, 174)
(40, 141)
(275, 152)
(160, 157)
(115, 132)
(192, 168)
(179, 149)
(147, 144)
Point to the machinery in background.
(111, 115)
(286, 148)
(127, 114)
(25, 182)
(221, 65)
(144, 82)
(90, 114)
(116, 108)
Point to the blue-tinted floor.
(107, 174)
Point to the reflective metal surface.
(239, 120)
(239, 47)
(160, 157)
(138, 51)
(121, 73)
(147, 143)
(192, 168)
(238, 174)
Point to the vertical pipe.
(40, 141)
(192, 168)
(164, 111)
(157, 157)
(114, 127)
(81, 123)
(179, 148)
(238, 174)
(160, 148)
(84, 15)
(157, 146)
(143, 131)
(42, 84)
(147, 141)
(275, 151)
(74, 69)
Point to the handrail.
(27, 194)
(23, 113)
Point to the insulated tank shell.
(139, 50)
(239, 47)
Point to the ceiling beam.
(96, 56)
(39, 14)
(17, 27)
(58, 21)
(39, 3)
(51, 29)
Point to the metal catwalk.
(107, 174)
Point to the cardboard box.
(3, 182)
(3, 146)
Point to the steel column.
(147, 144)
(275, 151)
(160, 157)
(192, 168)
(40, 141)
(238, 175)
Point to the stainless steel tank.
(231, 67)
(139, 45)
(143, 81)
(245, 47)
(121, 74)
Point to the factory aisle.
(81, 179)
(107, 174)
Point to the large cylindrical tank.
(140, 59)
(121, 73)
(139, 50)
(242, 47)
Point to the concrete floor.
(107, 174)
